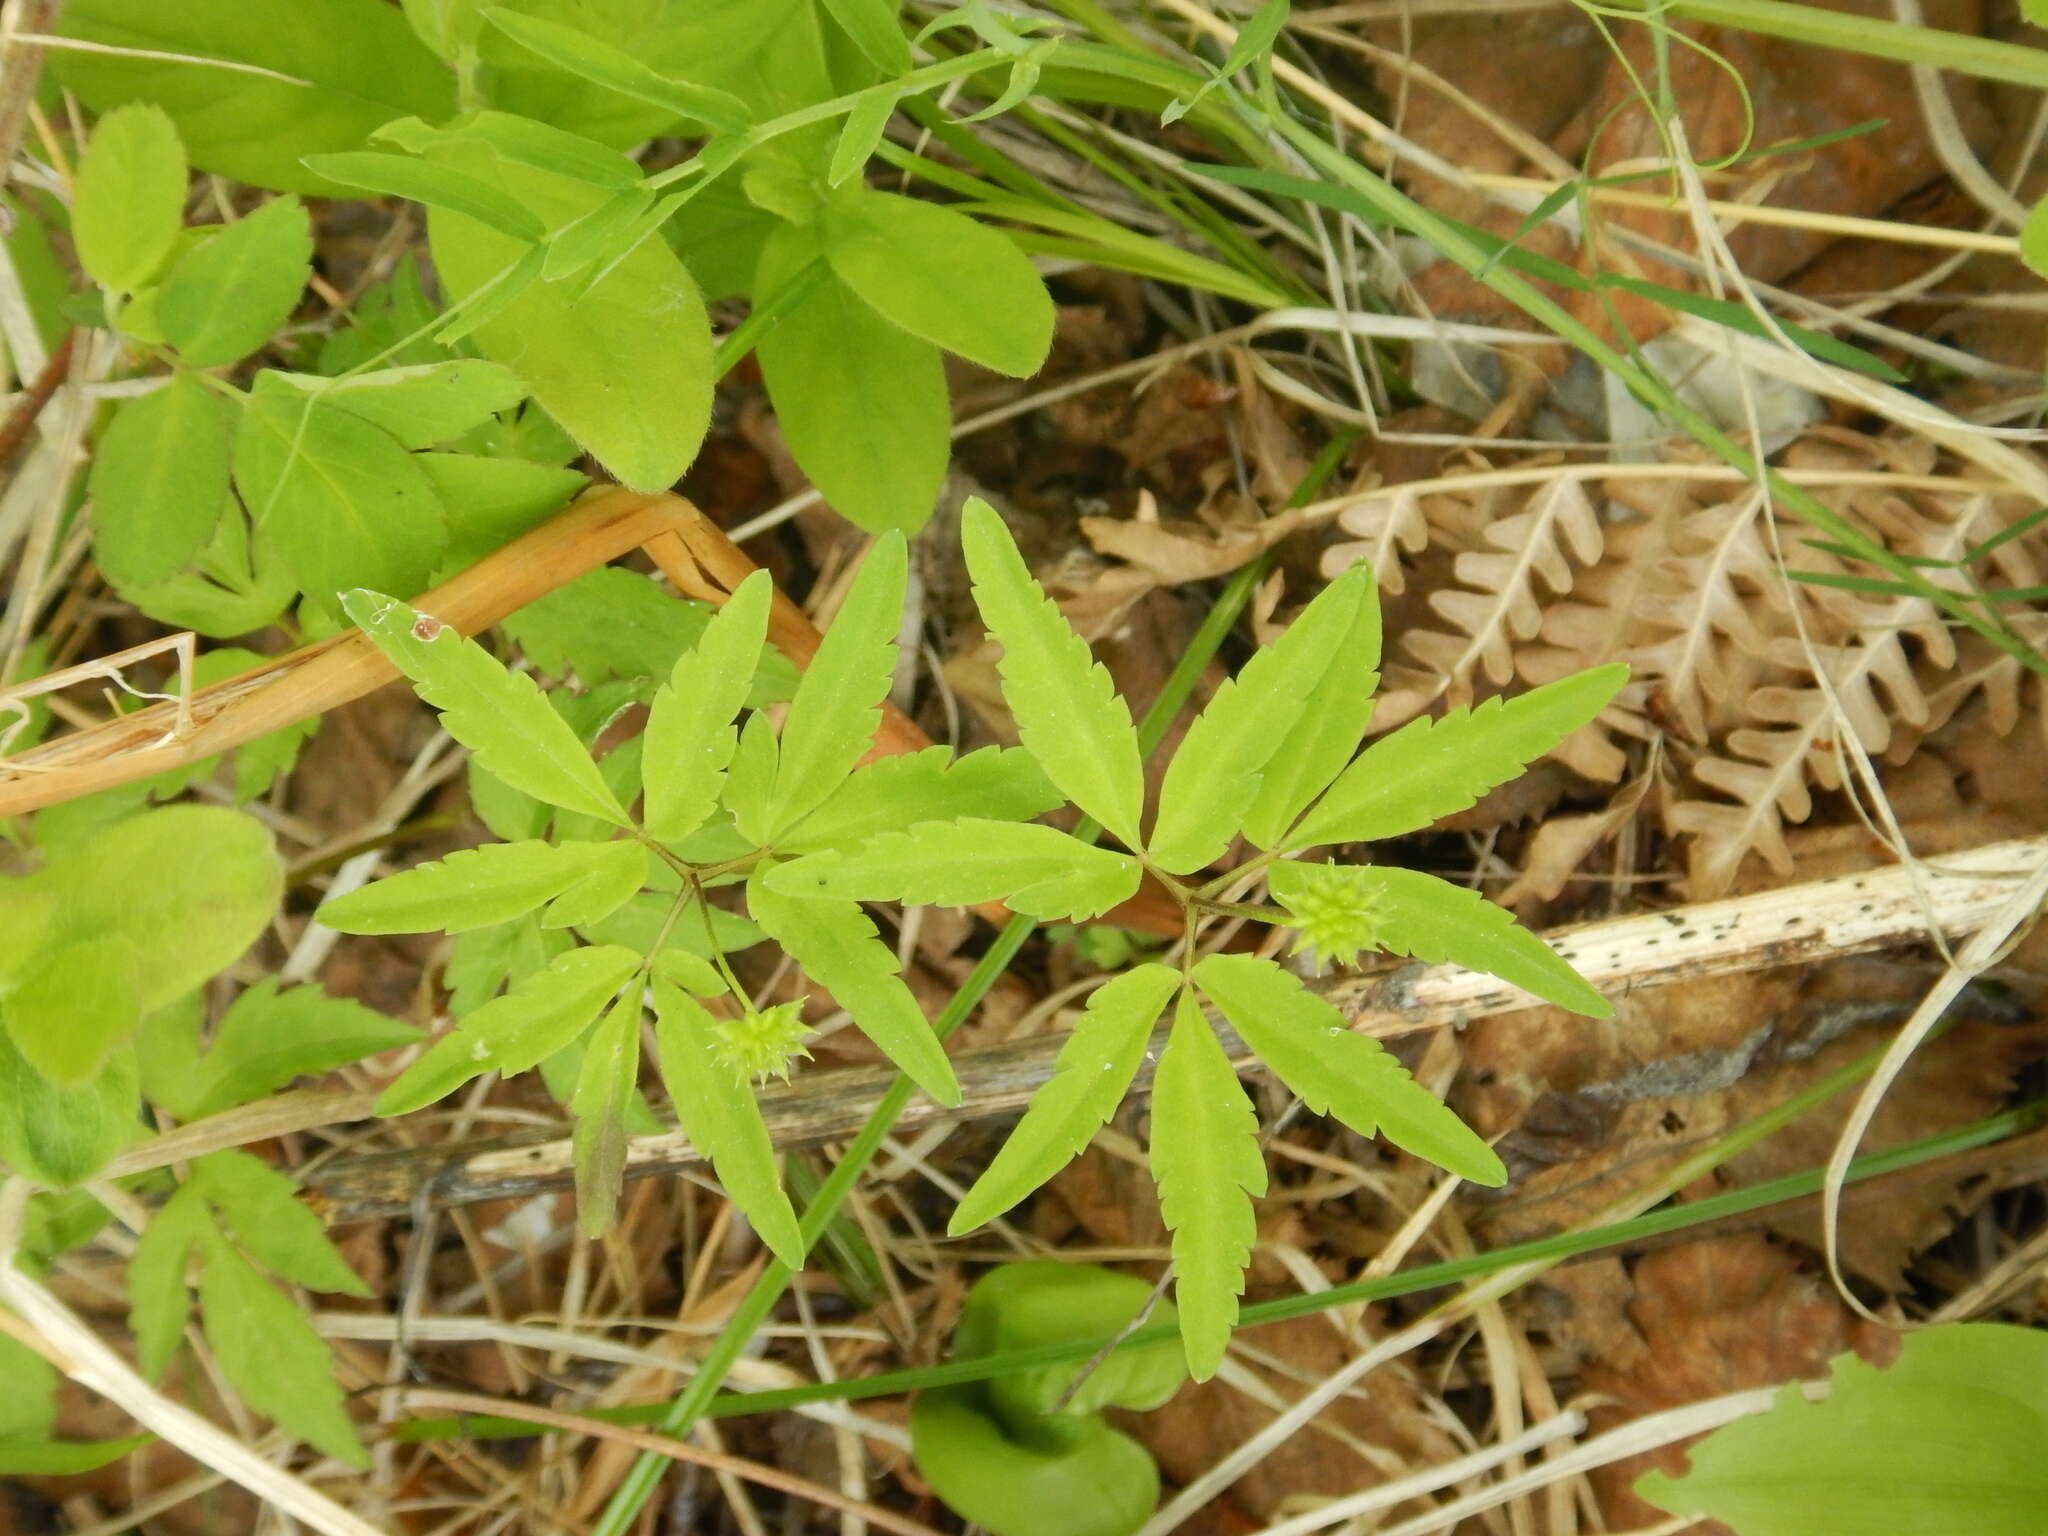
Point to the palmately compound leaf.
(1068, 712)
(995, 783)
(261, 1208)
(838, 704)
(1335, 710)
(1948, 1438)
(941, 276)
(690, 737)
(717, 1109)
(1336, 1070)
(160, 480)
(499, 715)
(604, 1094)
(1434, 920)
(1429, 769)
(1206, 1161)
(1089, 1080)
(476, 888)
(270, 1354)
(543, 1012)
(837, 947)
(1218, 767)
(1039, 871)
(128, 199)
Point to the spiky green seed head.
(764, 1044)
(1337, 915)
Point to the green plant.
(1030, 1453)
(1274, 756)
(1947, 1438)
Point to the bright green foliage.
(615, 69)
(265, 1039)
(61, 1136)
(159, 480)
(838, 705)
(224, 297)
(28, 1422)
(1036, 870)
(1429, 769)
(690, 736)
(836, 944)
(997, 782)
(1312, 1049)
(130, 198)
(2034, 233)
(604, 1091)
(1029, 1454)
(1254, 39)
(1089, 1080)
(1206, 1162)
(1948, 1438)
(940, 276)
(1217, 770)
(420, 405)
(1068, 712)
(717, 1108)
(231, 1210)
(500, 716)
(1331, 908)
(481, 887)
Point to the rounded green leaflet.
(159, 481)
(73, 1005)
(60, 1137)
(224, 298)
(129, 200)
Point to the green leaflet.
(265, 1039)
(838, 705)
(1089, 1080)
(60, 1137)
(327, 73)
(129, 198)
(543, 1012)
(1434, 920)
(1947, 1438)
(996, 783)
(1039, 871)
(861, 403)
(434, 186)
(270, 1354)
(1068, 711)
(604, 1092)
(866, 121)
(482, 887)
(420, 405)
(1206, 1162)
(1335, 709)
(1336, 1070)
(1217, 769)
(1254, 38)
(873, 26)
(491, 502)
(690, 736)
(524, 141)
(718, 1111)
(837, 947)
(73, 1004)
(261, 1208)
(941, 276)
(337, 499)
(159, 480)
(617, 871)
(159, 1306)
(617, 70)
(224, 298)
(752, 779)
(1429, 769)
(575, 346)
(501, 716)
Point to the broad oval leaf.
(718, 1111)
(499, 715)
(1038, 871)
(1432, 768)
(1206, 1161)
(941, 276)
(1336, 1070)
(1089, 1079)
(838, 705)
(690, 737)
(74, 1004)
(337, 499)
(224, 298)
(60, 1137)
(1219, 765)
(422, 404)
(128, 201)
(159, 481)
(255, 88)
(542, 1013)
(861, 403)
(1433, 920)
(1068, 712)
(837, 947)
(995, 783)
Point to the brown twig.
(14, 431)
